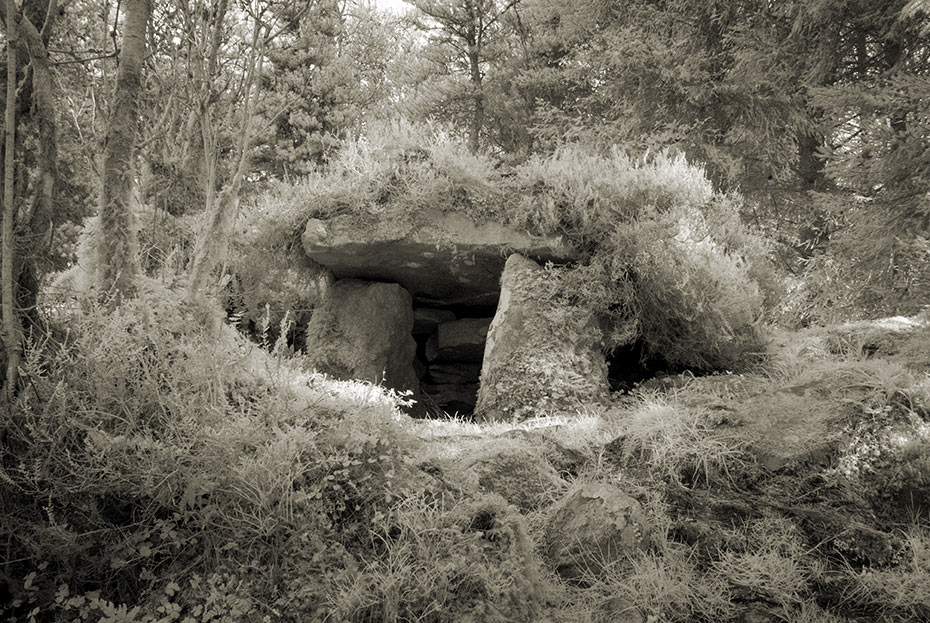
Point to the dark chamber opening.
(630, 365)
(450, 349)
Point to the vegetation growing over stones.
(745, 189)
(667, 261)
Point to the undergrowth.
(677, 442)
(159, 468)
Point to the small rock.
(754, 613)
(619, 610)
(518, 475)
(593, 527)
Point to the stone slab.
(448, 261)
(459, 340)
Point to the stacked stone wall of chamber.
(450, 349)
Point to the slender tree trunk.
(477, 119)
(41, 207)
(32, 217)
(12, 328)
(221, 212)
(116, 244)
(810, 167)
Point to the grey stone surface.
(426, 319)
(459, 341)
(454, 372)
(363, 331)
(538, 358)
(449, 261)
(595, 526)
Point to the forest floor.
(218, 477)
(798, 492)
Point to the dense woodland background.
(160, 161)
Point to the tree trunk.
(32, 217)
(477, 119)
(117, 261)
(221, 210)
(12, 328)
(810, 167)
(40, 209)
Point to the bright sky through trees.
(392, 5)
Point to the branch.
(497, 17)
(83, 60)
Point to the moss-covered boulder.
(518, 474)
(542, 355)
(593, 527)
(363, 331)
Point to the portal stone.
(539, 358)
(363, 330)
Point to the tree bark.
(221, 210)
(40, 209)
(12, 327)
(477, 119)
(117, 261)
(33, 216)
(810, 167)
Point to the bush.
(766, 561)
(271, 292)
(678, 442)
(668, 256)
(442, 561)
(586, 195)
(396, 175)
(898, 593)
(666, 586)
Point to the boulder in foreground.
(593, 527)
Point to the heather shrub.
(395, 175)
(677, 442)
(885, 459)
(697, 305)
(514, 470)
(900, 592)
(766, 560)
(669, 261)
(667, 585)
(586, 195)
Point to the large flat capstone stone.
(448, 261)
